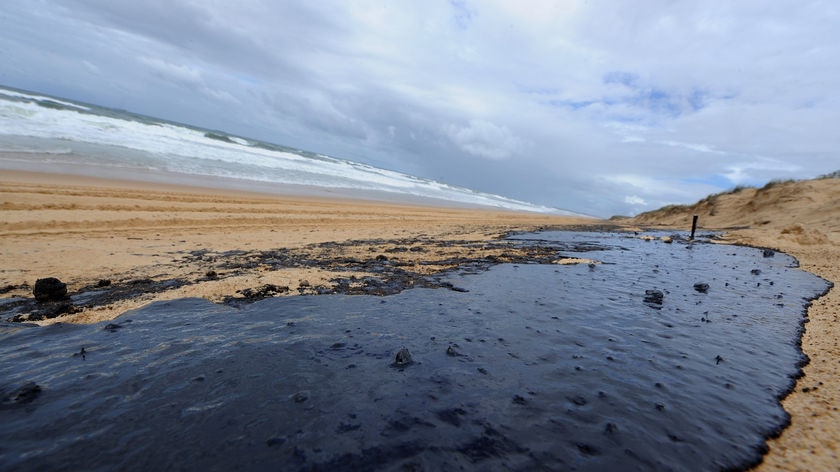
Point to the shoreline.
(521, 339)
(812, 440)
(158, 241)
(84, 230)
(19, 166)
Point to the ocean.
(657, 357)
(40, 133)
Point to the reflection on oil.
(534, 366)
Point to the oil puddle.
(654, 356)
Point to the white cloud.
(635, 200)
(179, 73)
(758, 170)
(93, 68)
(641, 183)
(703, 148)
(701, 90)
(187, 76)
(485, 139)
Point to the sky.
(600, 107)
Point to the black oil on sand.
(659, 357)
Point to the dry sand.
(801, 219)
(83, 230)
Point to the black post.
(693, 227)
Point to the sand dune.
(801, 218)
(803, 212)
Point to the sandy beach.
(223, 245)
(86, 231)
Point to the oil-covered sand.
(661, 356)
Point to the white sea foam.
(87, 136)
(14, 150)
(39, 98)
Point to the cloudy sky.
(602, 107)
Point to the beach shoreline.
(498, 369)
(86, 230)
(812, 441)
(172, 241)
(799, 218)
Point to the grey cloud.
(599, 107)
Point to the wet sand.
(218, 244)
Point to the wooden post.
(693, 227)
